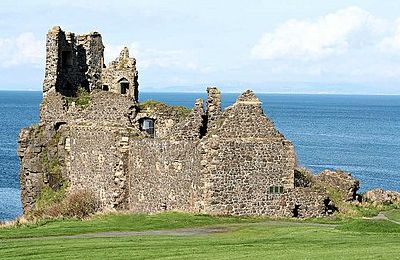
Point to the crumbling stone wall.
(164, 175)
(30, 147)
(96, 159)
(192, 127)
(122, 71)
(200, 160)
(166, 118)
(245, 157)
(213, 107)
(339, 180)
(72, 62)
(42, 155)
(75, 63)
(107, 108)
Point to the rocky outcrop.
(380, 196)
(339, 180)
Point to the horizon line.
(232, 92)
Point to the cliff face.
(150, 157)
(42, 156)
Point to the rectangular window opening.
(276, 189)
(66, 59)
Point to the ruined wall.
(106, 108)
(213, 111)
(31, 171)
(92, 47)
(72, 62)
(245, 119)
(98, 162)
(209, 161)
(42, 155)
(53, 108)
(164, 175)
(122, 70)
(245, 157)
(192, 127)
(240, 174)
(166, 118)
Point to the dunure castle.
(147, 157)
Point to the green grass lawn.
(246, 238)
(393, 214)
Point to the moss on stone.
(52, 167)
(49, 196)
(159, 106)
(82, 98)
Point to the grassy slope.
(393, 214)
(357, 239)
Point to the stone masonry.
(151, 157)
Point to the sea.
(356, 133)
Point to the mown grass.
(393, 214)
(118, 222)
(357, 239)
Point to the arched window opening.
(105, 88)
(124, 86)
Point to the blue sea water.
(359, 134)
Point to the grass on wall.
(82, 98)
(159, 106)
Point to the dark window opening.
(124, 87)
(276, 189)
(203, 128)
(147, 125)
(105, 88)
(330, 207)
(67, 89)
(296, 210)
(66, 59)
(85, 85)
(58, 125)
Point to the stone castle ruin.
(149, 157)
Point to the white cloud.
(391, 44)
(151, 58)
(331, 34)
(22, 49)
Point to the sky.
(292, 46)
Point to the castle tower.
(72, 62)
(121, 76)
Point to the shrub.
(80, 204)
(55, 204)
(48, 196)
